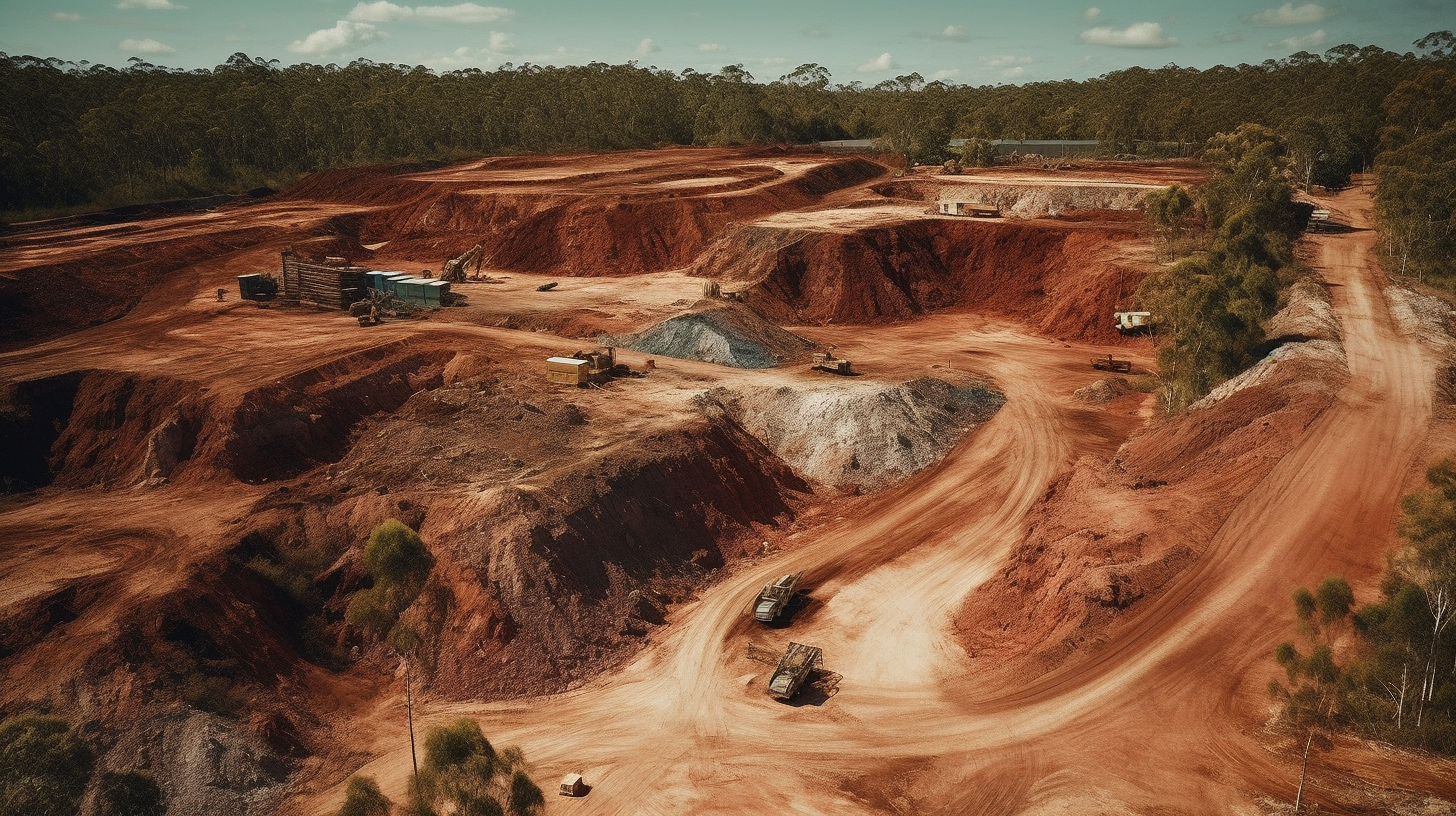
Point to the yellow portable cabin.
(567, 370)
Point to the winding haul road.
(1158, 718)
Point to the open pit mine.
(751, 480)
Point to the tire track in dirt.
(1157, 715)
(692, 709)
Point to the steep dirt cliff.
(1064, 280)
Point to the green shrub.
(130, 794)
(463, 773)
(44, 767)
(399, 563)
(364, 798)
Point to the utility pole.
(1302, 768)
(409, 707)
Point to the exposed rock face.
(204, 764)
(860, 436)
(1043, 275)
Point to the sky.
(968, 42)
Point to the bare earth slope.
(1046, 605)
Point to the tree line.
(1386, 669)
(1234, 237)
(77, 135)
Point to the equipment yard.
(1036, 593)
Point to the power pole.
(1302, 768)
(409, 707)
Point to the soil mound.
(304, 420)
(727, 334)
(1104, 391)
(1111, 533)
(860, 437)
(1307, 315)
(558, 555)
(1063, 281)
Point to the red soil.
(1130, 575)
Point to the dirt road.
(1166, 712)
(1166, 715)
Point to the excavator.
(453, 270)
(378, 305)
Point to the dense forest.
(77, 136)
(82, 134)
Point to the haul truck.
(794, 668)
(775, 597)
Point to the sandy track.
(1164, 712)
(1161, 713)
(692, 712)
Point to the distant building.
(1056, 148)
(1049, 148)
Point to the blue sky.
(968, 42)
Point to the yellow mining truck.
(826, 361)
(582, 367)
(775, 597)
(793, 669)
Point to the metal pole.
(1302, 768)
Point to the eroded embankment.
(1063, 281)
(586, 232)
(113, 428)
(53, 299)
(1110, 534)
(1023, 199)
(198, 684)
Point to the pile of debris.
(730, 334)
(858, 436)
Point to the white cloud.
(147, 46)
(381, 12)
(64, 17)
(1292, 15)
(463, 13)
(342, 35)
(949, 73)
(1308, 41)
(711, 48)
(1092, 15)
(1012, 73)
(1230, 37)
(384, 11)
(465, 57)
(647, 46)
(1137, 35)
(1005, 61)
(883, 62)
(500, 43)
(951, 33)
(152, 5)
